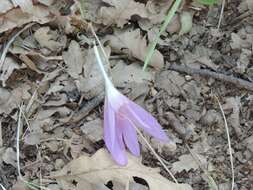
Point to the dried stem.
(19, 126)
(218, 76)
(3, 188)
(221, 13)
(156, 155)
(229, 144)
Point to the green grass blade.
(208, 2)
(167, 20)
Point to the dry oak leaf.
(16, 17)
(123, 74)
(186, 162)
(8, 67)
(131, 42)
(92, 83)
(100, 168)
(120, 12)
(10, 100)
(48, 39)
(74, 59)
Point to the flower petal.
(145, 120)
(129, 134)
(113, 135)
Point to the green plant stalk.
(82, 8)
(167, 20)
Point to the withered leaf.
(100, 168)
(74, 59)
(16, 17)
(131, 42)
(120, 12)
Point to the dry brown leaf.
(8, 67)
(58, 100)
(74, 59)
(250, 5)
(249, 142)
(16, 17)
(137, 186)
(25, 5)
(186, 162)
(131, 42)
(123, 74)
(5, 6)
(10, 100)
(201, 56)
(157, 10)
(186, 22)
(234, 119)
(76, 145)
(9, 157)
(19, 185)
(120, 12)
(244, 60)
(93, 130)
(46, 2)
(44, 114)
(48, 39)
(92, 83)
(170, 81)
(33, 138)
(239, 42)
(100, 168)
(92, 8)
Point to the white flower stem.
(108, 82)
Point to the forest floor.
(52, 91)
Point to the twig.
(3, 188)
(85, 110)
(240, 83)
(221, 13)
(1, 135)
(229, 144)
(156, 155)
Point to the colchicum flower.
(121, 117)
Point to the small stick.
(240, 83)
(85, 110)
(221, 13)
(229, 144)
(156, 155)
(20, 124)
(3, 188)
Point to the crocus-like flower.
(121, 117)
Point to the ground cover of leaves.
(51, 70)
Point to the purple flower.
(121, 117)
